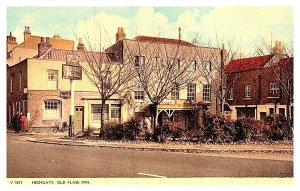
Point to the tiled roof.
(245, 64)
(84, 56)
(286, 61)
(163, 40)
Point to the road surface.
(36, 160)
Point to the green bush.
(194, 135)
(176, 133)
(278, 127)
(161, 133)
(242, 129)
(112, 130)
(132, 128)
(88, 132)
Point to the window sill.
(247, 98)
(231, 99)
(273, 97)
(46, 119)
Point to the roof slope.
(245, 64)
(163, 40)
(83, 56)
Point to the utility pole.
(71, 116)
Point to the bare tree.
(160, 68)
(213, 71)
(109, 72)
(280, 67)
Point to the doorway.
(78, 118)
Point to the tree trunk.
(102, 116)
(288, 108)
(154, 114)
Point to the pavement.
(277, 151)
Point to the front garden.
(214, 130)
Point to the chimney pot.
(80, 45)
(120, 34)
(43, 46)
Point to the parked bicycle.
(57, 128)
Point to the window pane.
(192, 65)
(115, 111)
(52, 79)
(96, 112)
(206, 92)
(139, 92)
(247, 90)
(175, 93)
(191, 92)
(52, 109)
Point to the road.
(36, 160)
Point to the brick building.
(260, 86)
(185, 106)
(35, 85)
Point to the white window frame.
(207, 66)
(156, 63)
(139, 93)
(175, 62)
(115, 111)
(191, 91)
(247, 91)
(192, 65)
(175, 93)
(139, 61)
(206, 92)
(52, 109)
(96, 112)
(230, 93)
(274, 88)
(51, 79)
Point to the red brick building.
(260, 86)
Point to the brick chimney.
(80, 45)
(43, 46)
(11, 42)
(278, 49)
(120, 35)
(179, 33)
(223, 55)
(27, 33)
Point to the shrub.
(112, 130)
(194, 135)
(132, 128)
(161, 133)
(242, 129)
(88, 132)
(210, 127)
(176, 133)
(278, 127)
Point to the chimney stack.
(80, 45)
(278, 49)
(179, 33)
(11, 42)
(223, 55)
(27, 33)
(120, 35)
(43, 46)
